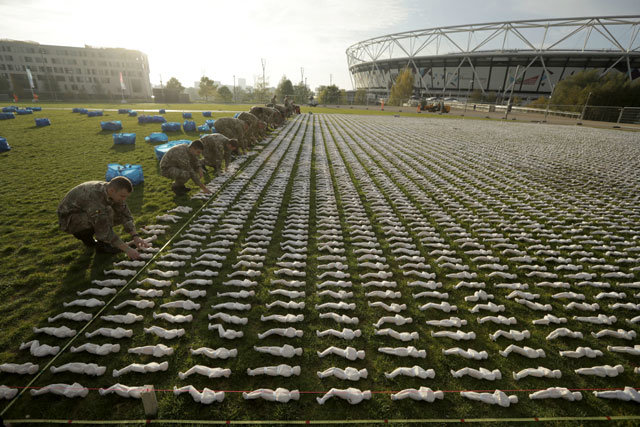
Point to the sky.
(221, 39)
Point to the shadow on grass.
(123, 148)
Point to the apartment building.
(63, 72)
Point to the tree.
(329, 95)
(261, 92)
(284, 88)
(207, 87)
(174, 83)
(360, 97)
(301, 93)
(225, 94)
(402, 89)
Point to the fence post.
(149, 401)
(620, 116)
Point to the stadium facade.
(529, 56)
(59, 72)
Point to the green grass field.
(42, 267)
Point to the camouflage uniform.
(215, 149)
(233, 129)
(276, 116)
(254, 131)
(180, 165)
(282, 110)
(88, 209)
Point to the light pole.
(234, 88)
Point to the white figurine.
(158, 350)
(91, 302)
(548, 319)
(110, 282)
(290, 305)
(231, 306)
(397, 320)
(100, 350)
(7, 392)
(281, 370)
(634, 351)
(61, 332)
(402, 336)
(480, 374)
(351, 395)
(168, 334)
(110, 332)
(600, 319)
(581, 352)
(443, 306)
(206, 371)
(185, 305)
(179, 318)
(281, 395)
(467, 354)
(557, 393)
(288, 318)
(123, 391)
(155, 282)
(240, 294)
(414, 371)
(189, 294)
(409, 351)
(458, 335)
(340, 318)
(218, 353)
(349, 353)
(500, 320)
(422, 394)
(494, 308)
(628, 394)
(620, 333)
(229, 318)
(125, 319)
(100, 292)
(199, 282)
(40, 350)
(346, 333)
(142, 368)
(601, 371)
(512, 335)
(206, 397)
(538, 372)
(524, 351)
(66, 390)
(284, 332)
(496, 398)
(286, 350)
(22, 369)
(141, 304)
(123, 273)
(80, 368)
(564, 332)
(147, 293)
(349, 373)
(229, 334)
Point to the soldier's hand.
(140, 243)
(132, 253)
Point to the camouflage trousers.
(77, 222)
(180, 176)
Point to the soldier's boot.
(106, 248)
(86, 237)
(179, 189)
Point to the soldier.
(282, 110)
(276, 116)
(233, 129)
(273, 100)
(94, 207)
(288, 105)
(181, 163)
(217, 147)
(256, 126)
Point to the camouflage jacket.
(180, 157)
(215, 149)
(91, 199)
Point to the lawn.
(455, 183)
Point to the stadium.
(528, 57)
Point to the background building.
(64, 72)
(529, 56)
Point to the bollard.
(149, 401)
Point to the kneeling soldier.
(216, 148)
(94, 207)
(181, 164)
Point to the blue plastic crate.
(123, 110)
(186, 115)
(115, 125)
(10, 109)
(43, 122)
(209, 122)
(36, 108)
(189, 126)
(133, 172)
(4, 145)
(133, 113)
(94, 114)
(22, 112)
(7, 116)
(206, 113)
(158, 119)
(161, 150)
(171, 127)
(157, 137)
(204, 128)
(124, 138)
